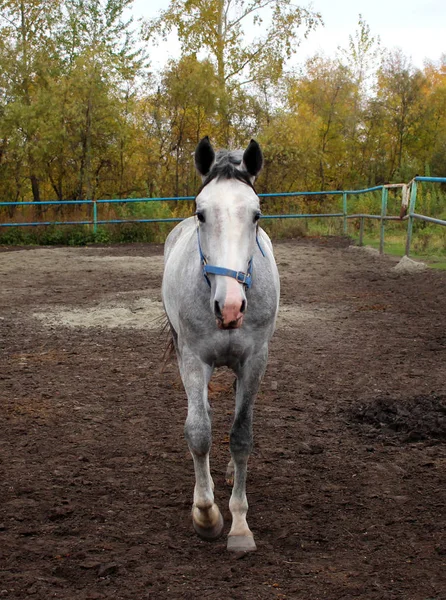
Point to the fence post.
(413, 199)
(361, 231)
(344, 210)
(384, 196)
(95, 217)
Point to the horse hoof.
(241, 543)
(209, 534)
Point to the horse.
(220, 292)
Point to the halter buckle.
(241, 277)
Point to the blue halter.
(240, 276)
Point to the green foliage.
(84, 235)
(216, 28)
(81, 117)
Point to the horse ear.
(253, 159)
(204, 156)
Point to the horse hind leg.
(241, 538)
(206, 517)
(229, 477)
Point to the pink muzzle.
(230, 315)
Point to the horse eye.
(257, 216)
(200, 216)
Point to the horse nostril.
(243, 307)
(217, 310)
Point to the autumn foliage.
(84, 117)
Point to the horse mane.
(227, 166)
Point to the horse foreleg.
(230, 468)
(206, 517)
(240, 537)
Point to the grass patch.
(395, 245)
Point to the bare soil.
(347, 481)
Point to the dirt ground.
(347, 481)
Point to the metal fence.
(408, 204)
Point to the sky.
(418, 28)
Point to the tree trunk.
(84, 173)
(35, 188)
(223, 107)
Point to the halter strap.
(240, 276)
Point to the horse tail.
(171, 342)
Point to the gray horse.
(221, 296)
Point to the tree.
(27, 57)
(361, 58)
(97, 47)
(399, 96)
(215, 27)
(321, 99)
(431, 136)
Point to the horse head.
(227, 211)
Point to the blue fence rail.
(408, 207)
